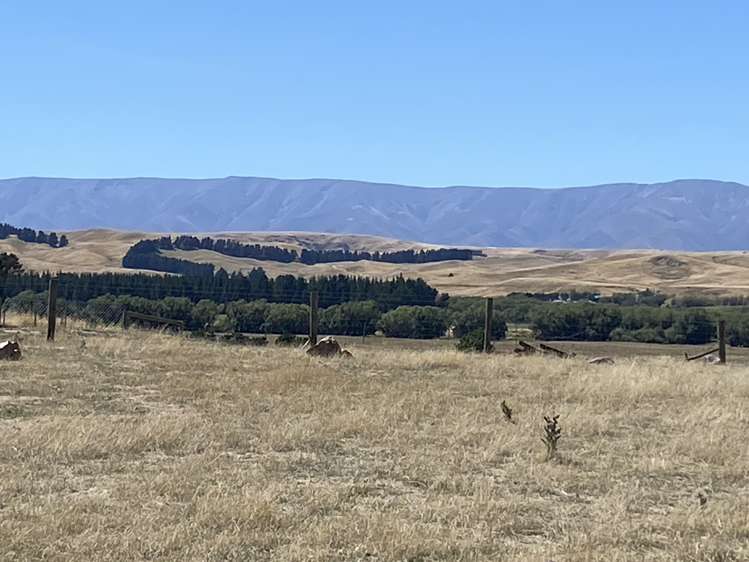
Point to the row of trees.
(223, 287)
(229, 248)
(400, 256)
(353, 306)
(611, 322)
(145, 254)
(463, 317)
(33, 236)
(259, 316)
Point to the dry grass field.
(502, 271)
(144, 446)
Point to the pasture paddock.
(145, 446)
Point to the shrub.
(287, 319)
(467, 317)
(421, 322)
(350, 319)
(246, 316)
(473, 341)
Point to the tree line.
(589, 321)
(146, 254)
(223, 287)
(257, 316)
(312, 257)
(33, 236)
(398, 307)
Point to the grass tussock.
(144, 446)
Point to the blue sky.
(536, 93)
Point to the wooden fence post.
(488, 325)
(52, 309)
(722, 341)
(314, 301)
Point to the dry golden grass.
(144, 446)
(502, 271)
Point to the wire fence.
(35, 313)
(222, 315)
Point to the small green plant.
(552, 433)
(507, 411)
(472, 341)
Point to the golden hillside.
(502, 271)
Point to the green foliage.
(204, 315)
(222, 323)
(23, 302)
(9, 265)
(584, 322)
(32, 236)
(351, 319)
(472, 341)
(146, 255)
(176, 308)
(421, 322)
(246, 316)
(287, 319)
(226, 287)
(694, 327)
(467, 315)
(401, 256)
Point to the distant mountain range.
(697, 215)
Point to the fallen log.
(601, 361)
(555, 351)
(526, 348)
(700, 355)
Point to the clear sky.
(521, 93)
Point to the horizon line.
(383, 184)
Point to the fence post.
(125, 319)
(314, 300)
(52, 309)
(722, 341)
(488, 325)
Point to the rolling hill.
(502, 271)
(684, 215)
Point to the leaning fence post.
(722, 341)
(488, 325)
(52, 309)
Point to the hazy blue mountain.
(680, 215)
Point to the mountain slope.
(694, 215)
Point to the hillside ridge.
(500, 272)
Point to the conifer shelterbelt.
(146, 253)
(225, 287)
(33, 236)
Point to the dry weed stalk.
(507, 411)
(552, 433)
